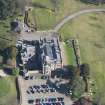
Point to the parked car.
(45, 77)
(26, 78)
(31, 77)
(32, 91)
(28, 92)
(30, 101)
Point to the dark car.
(30, 88)
(60, 99)
(35, 86)
(30, 101)
(31, 77)
(32, 91)
(26, 78)
(45, 77)
(28, 92)
(37, 100)
(44, 86)
(52, 90)
(58, 103)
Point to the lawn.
(46, 18)
(5, 32)
(70, 55)
(89, 29)
(46, 3)
(7, 91)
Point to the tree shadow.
(17, 88)
(84, 101)
(7, 71)
(64, 76)
(66, 73)
(62, 88)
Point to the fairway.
(89, 29)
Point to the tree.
(7, 8)
(77, 87)
(85, 71)
(94, 1)
(73, 71)
(84, 101)
(15, 71)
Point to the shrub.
(15, 72)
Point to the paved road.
(74, 15)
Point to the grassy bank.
(70, 55)
(89, 29)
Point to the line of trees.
(94, 1)
(11, 7)
(7, 8)
(78, 81)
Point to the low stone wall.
(19, 90)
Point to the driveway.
(36, 35)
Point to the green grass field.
(46, 19)
(70, 55)
(89, 29)
(5, 32)
(7, 91)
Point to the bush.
(15, 72)
(77, 86)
